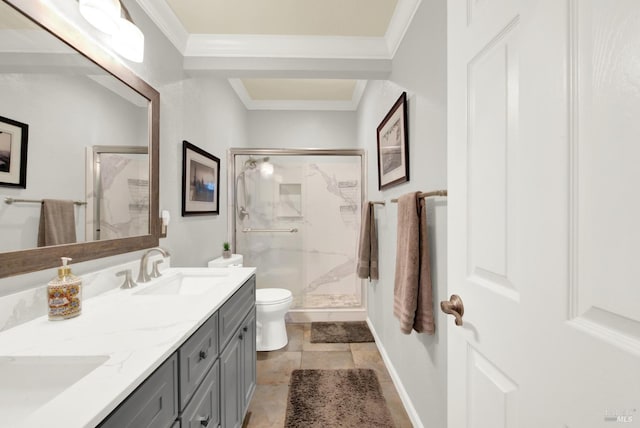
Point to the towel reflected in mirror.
(57, 223)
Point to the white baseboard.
(406, 400)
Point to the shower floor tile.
(326, 301)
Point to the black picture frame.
(393, 146)
(14, 137)
(200, 181)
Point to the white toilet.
(272, 305)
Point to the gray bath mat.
(340, 332)
(336, 398)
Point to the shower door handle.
(250, 230)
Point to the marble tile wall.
(320, 196)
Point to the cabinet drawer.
(204, 409)
(235, 309)
(153, 404)
(197, 355)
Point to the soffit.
(287, 54)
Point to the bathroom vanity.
(178, 351)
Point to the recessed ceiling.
(300, 89)
(367, 18)
(284, 54)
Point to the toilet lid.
(267, 296)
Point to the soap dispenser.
(64, 294)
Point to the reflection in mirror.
(70, 104)
(74, 106)
(118, 203)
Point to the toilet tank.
(234, 261)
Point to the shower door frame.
(232, 211)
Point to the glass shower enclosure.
(295, 216)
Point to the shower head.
(251, 163)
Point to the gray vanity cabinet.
(204, 408)
(208, 381)
(153, 404)
(238, 373)
(196, 357)
(249, 355)
(229, 381)
(237, 327)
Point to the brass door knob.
(453, 307)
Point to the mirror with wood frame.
(81, 106)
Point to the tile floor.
(269, 404)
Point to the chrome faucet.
(143, 275)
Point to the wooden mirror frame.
(25, 261)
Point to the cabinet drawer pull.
(202, 355)
(204, 421)
(245, 328)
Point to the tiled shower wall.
(320, 197)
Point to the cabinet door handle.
(204, 421)
(202, 355)
(245, 328)
(240, 336)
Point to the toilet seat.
(272, 296)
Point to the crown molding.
(317, 105)
(162, 15)
(253, 46)
(399, 24)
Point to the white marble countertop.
(135, 333)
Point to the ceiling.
(287, 54)
(368, 18)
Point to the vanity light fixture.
(102, 14)
(128, 41)
(113, 18)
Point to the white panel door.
(544, 227)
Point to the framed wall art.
(200, 181)
(14, 136)
(393, 146)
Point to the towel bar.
(377, 202)
(10, 201)
(248, 229)
(428, 194)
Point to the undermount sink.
(185, 284)
(27, 383)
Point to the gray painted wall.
(419, 68)
(205, 112)
(302, 129)
(214, 119)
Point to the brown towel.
(412, 294)
(368, 245)
(57, 223)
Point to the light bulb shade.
(102, 14)
(128, 41)
(266, 169)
